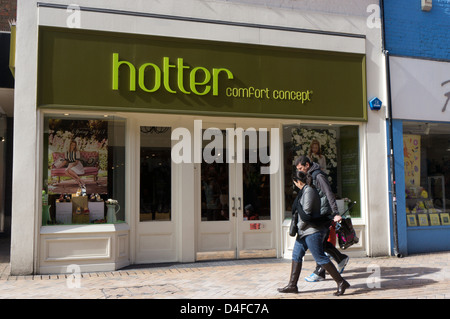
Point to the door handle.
(240, 204)
(234, 207)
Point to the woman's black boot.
(295, 274)
(341, 282)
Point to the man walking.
(328, 207)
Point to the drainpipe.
(391, 138)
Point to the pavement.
(423, 276)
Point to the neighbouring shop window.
(84, 170)
(155, 174)
(335, 148)
(426, 149)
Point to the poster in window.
(435, 220)
(445, 218)
(423, 219)
(411, 153)
(411, 219)
(320, 146)
(77, 156)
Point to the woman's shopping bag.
(346, 233)
(293, 228)
(332, 237)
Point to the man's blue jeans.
(314, 243)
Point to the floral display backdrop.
(301, 141)
(90, 135)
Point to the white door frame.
(236, 237)
(153, 241)
(184, 208)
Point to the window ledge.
(73, 229)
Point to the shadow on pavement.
(385, 278)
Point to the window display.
(84, 166)
(426, 150)
(335, 148)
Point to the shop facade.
(421, 128)
(186, 128)
(419, 94)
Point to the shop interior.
(426, 149)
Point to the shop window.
(155, 174)
(335, 148)
(83, 170)
(426, 149)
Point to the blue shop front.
(421, 137)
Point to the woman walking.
(311, 233)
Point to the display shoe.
(334, 273)
(295, 274)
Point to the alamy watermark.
(374, 279)
(373, 20)
(74, 279)
(258, 142)
(73, 21)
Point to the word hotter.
(209, 79)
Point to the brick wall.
(8, 10)
(413, 32)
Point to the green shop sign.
(81, 69)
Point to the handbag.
(346, 233)
(293, 228)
